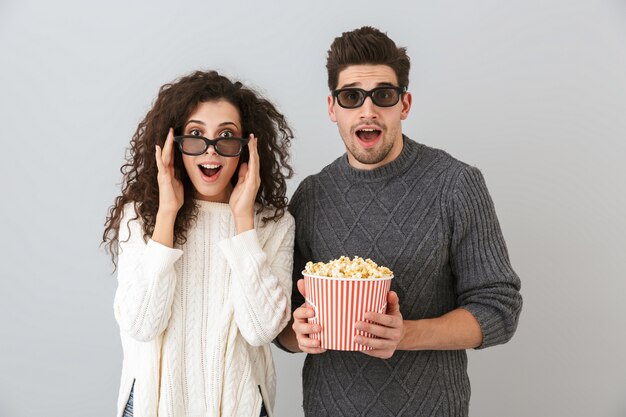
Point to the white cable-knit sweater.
(196, 321)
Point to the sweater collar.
(211, 207)
(410, 150)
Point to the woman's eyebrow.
(204, 124)
(195, 121)
(228, 123)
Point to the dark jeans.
(128, 411)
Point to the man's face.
(372, 134)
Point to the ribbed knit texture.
(430, 219)
(196, 320)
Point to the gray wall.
(532, 92)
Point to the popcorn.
(346, 268)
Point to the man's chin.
(369, 158)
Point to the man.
(420, 212)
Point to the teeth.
(209, 166)
(367, 130)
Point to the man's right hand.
(303, 329)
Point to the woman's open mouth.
(209, 172)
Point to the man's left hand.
(388, 328)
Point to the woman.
(204, 248)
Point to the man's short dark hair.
(366, 45)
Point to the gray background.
(532, 92)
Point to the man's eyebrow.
(381, 84)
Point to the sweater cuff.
(160, 257)
(241, 247)
(489, 324)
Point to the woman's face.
(210, 172)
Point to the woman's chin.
(214, 193)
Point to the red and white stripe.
(339, 303)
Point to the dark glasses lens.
(192, 146)
(197, 145)
(229, 147)
(351, 98)
(385, 97)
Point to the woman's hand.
(171, 192)
(244, 194)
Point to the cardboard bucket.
(339, 303)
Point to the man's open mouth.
(368, 134)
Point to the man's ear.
(407, 99)
(331, 109)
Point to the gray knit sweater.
(429, 218)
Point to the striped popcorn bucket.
(339, 303)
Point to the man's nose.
(369, 110)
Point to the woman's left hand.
(244, 194)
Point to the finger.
(254, 155)
(168, 149)
(307, 342)
(393, 302)
(313, 351)
(300, 285)
(372, 316)
(159, 158)
(382, 344)
(301, 327)
(376, 330)
(303, 313)
(389, 320)
(392, 314)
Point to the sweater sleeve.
(261, 280)
(299, 207)
(146, 281)
(486, 284)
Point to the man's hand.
(389, 328)
(303, 329)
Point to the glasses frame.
(369, 93)
(209, 142)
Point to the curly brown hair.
(174, 104)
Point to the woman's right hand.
(171, 192)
